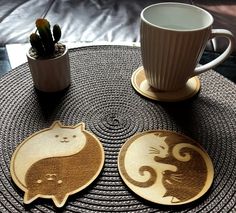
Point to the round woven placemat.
(101, 95)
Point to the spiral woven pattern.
(101, 95)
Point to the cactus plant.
(44, 42)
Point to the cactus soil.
(59, 50)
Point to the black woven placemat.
(101, 95)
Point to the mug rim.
(177, 30)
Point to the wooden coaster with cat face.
(142, 86)
(57, 162)
(165, 167)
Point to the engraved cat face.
(164, 167)
(45, 178)
(70, 160)
(46, 182)
(173, 182)
(66, 137)
(49, 178)
(56, 141)
(189, 177)
(171, 178)
(161, 148)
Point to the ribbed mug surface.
(173, 38)
(169, 57)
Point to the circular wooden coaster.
(141, 85)
(165, 167)
(57, 162)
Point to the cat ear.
(80, 126)
(56, 124)
(30, 197)
(60, 200)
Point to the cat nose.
(50, 176)
(64, 140)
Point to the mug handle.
(215, 33)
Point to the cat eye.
(59, 181)
(167, 181)
(39, 181)
(74, 136)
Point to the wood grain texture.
(165, 167)
(57, 162)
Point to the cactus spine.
(44, 41)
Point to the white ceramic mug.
(173, 38)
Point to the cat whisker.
(177, 180)
(177, 175)
(153, 150)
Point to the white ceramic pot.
(50, 75)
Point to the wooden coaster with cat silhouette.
(142, 86)
(57, 162)
(165, 167)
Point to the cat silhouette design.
(190, 175)
(165, 167)
(57, 162)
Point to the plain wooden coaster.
(165, 167)
(142, 86)
(57, 162)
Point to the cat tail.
(152, 179)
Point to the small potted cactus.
(48, 59)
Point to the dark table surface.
(101, 95)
